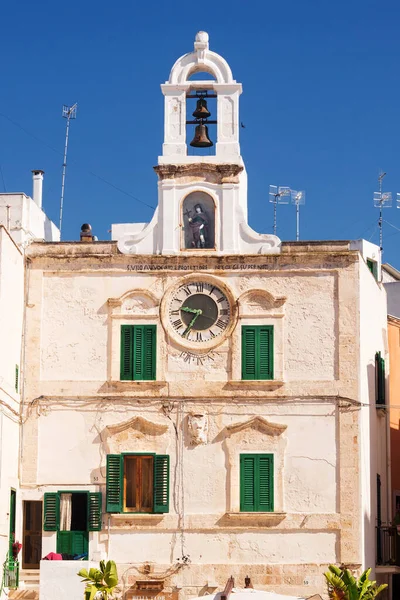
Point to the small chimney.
(86, 233)
(37, 186)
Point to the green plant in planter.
(342, 585)
(100, 582)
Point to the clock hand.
(192, 322)
(190, 310)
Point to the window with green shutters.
(51, 509)
(256, 482)
(380, 383)
(138, 352)
(137, 483)
(257, 352)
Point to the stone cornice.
(222, 173)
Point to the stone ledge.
(256, 518)
(254, 383)
(129, 520)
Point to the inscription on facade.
(183, 267)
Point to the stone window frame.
(259, 307)
(135, 307)
(255, 436)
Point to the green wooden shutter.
(114, 486)
(149, 353)
(138, 344)
(247, 483)
(265, 349)
(257, 352)
(256, 482)
(266, 483)
(72, 542)
(94, 511)
(161, 484)
(126, 352)
(380, 379)
(249, 352)
(51, 518)
(144, 352)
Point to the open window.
(72, 515)
(137, 483)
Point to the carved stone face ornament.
(198, 428)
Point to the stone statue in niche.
(198, 428)
(198, 221)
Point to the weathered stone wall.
(78, 410)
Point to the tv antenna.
(298, 198)
(68, 112)
(381, 200)
(278, 195)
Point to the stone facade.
(308, 416)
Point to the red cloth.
(53, 556)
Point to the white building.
(199, 399)
(21, 220)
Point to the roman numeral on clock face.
(175, 312)
(221, 324)
(199, 287)
(187, 291)
(177, 324)
(224, 311)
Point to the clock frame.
(198, 312)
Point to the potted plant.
(342, 585)
(101, 582)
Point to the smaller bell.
(201, 111)
(201, 139)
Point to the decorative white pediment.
(259, 424)
(138, 301)
(137, 435)
(139, 424)
(202, 59)
(258, 301)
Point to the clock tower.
(202, 197)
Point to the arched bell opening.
(201, 119)
(198, 219)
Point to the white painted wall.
(373, 338)
(11, 319)
(27, 220)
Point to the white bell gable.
(202, 199)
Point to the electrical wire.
(35, 137)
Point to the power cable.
(35, 137)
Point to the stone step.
(24, 594)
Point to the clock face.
(199, 312)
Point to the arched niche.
(198, 218)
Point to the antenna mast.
(381, 200)
(278, 195)
(297, 199)
(68, 112)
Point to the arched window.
(198, 221)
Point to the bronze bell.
(201, 139)
(201, 111)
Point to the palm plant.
(342, 585)
(100, 582)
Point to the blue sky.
(320, 104)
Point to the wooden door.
(32, 534)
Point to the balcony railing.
(387, 545)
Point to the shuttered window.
(138, 352)
(137, 483)
(89, 522)
(256, 482)
(380, 378)
(257, 352)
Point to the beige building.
(199, 399)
